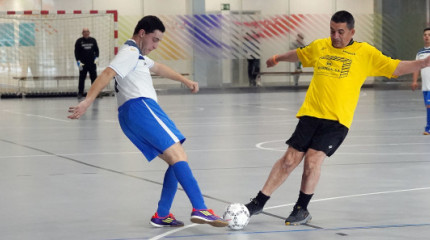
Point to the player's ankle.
(262, 198)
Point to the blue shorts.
(149, 128)
(426, 95)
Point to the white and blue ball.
(237, 216)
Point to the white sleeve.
(125, 61)
(149, 62)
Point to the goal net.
(37, 49)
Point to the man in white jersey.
(425, 77)
(145, 123)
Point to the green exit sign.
(225, 6)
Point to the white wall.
(215, 5)
(125, 7)
(263, 6)
(266, 7)
(130, 11)
(140, 7)
(355, 7)
(19, 5)
(164, 7)
(312, 6)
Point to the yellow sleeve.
(307, 54)
(381, 65)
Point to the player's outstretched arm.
(165, 71)
(101, 82)
(290, 56)
(406, 67)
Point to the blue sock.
(170, 186)
(428, 120)
(189, 183)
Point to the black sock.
(304, 200)
(261, 198)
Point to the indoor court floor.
(83, 179)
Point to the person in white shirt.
(425, 77)
(146, 124)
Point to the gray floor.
(64, 179)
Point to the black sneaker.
(298, 216)
(254, 207)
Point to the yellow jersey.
(338, 76)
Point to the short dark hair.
(149, 24)
(344, 17)
(426, 29)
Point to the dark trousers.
(92, 69)
(253, 70)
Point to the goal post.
(37, 49)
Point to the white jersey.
(425, 72)
(133, 79)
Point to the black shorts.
(318, 134)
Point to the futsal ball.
(237, 216)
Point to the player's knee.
(174, 154)
(291, 158)
(312, 165)
(288, 163)
(311, 169)
(173, 159)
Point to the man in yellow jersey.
(341, 66)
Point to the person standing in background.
(253, 70)
(86, 55)
(252, 50)
(299, 43)
(425, 77)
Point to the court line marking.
(173, 231)
(388, 119)
(317, 200)
(269, 108)
(38, 116)
(288, 231)
(304, 230)
(384, 154)
(201, 150)
(253, 122)
(355, 195)
(260, 145)
(116, 153)
(210, 197)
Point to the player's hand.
(414, 86)
(78, 110)
(80, 65)
(194, 86)
(272, 61)
(96, 61)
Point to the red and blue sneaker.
(207, 216)
(168, 221)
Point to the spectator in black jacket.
(86, 54)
